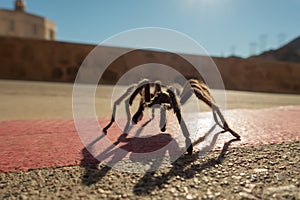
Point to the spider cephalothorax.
(167, 98)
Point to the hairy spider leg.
(139, 89)
(147, 92)
(157, 89)
(188, 91)
(128, 115)
(139, 114)
(161, 100)
(116, 103)
(163, 119)
(183, 126)
(201, 91)
(144, 90)
(146, 96)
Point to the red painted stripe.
(32, 144)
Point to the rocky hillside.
(287, 53)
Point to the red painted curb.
(32, 144)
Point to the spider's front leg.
(116, 103)
(144, 84)
(139, 113)
(183, 126)
(145, 98)
(163, 119)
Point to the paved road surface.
(42, 100)
(36, 122)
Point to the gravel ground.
(264, 172)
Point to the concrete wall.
(41, 60)
(254, 75)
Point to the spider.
(166, 98)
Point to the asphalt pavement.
(42, 156)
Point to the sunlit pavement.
(33, 144)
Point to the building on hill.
(19, 23)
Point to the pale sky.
(222, 27)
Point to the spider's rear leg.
(216, 111)
(201, 91)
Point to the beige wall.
(49, 30)
(22, 24)
(29, 59)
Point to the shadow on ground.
(149, 182)
(93, 173)
(131, 147)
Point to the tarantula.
(167, 100)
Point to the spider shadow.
(93, 173)
(150, 182)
